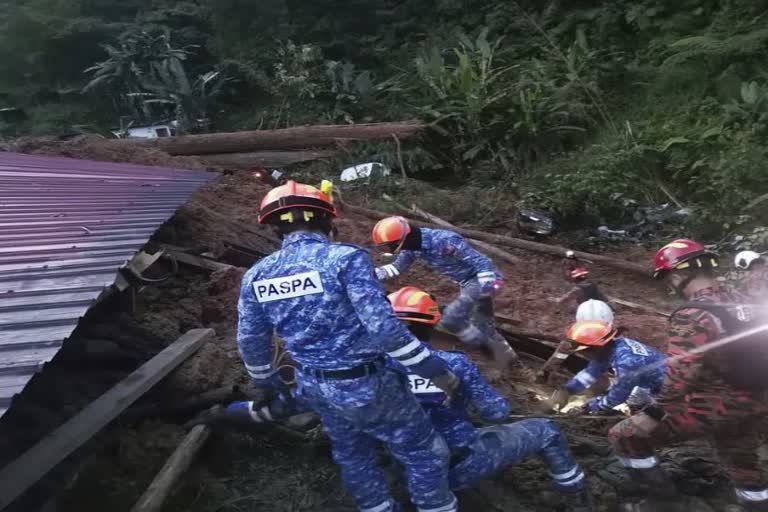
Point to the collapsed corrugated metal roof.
(66, 227)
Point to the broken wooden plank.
(158, 491)
(28, 468)
(641, 307)
(196, 261)
(518, 243)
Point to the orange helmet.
(578, 273)
(294, 195)
(415, 305)
(591, 333)
(391, 232)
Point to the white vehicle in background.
(361, 171)
(153, 131)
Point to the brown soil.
(264, 472)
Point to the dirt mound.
(220, 214)
(92, 147)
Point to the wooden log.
(641, 307)
(196, 261)
(28, 468)
(246, 161)
(485, 246)
(518, 243)
(300, 137)
(158, 491)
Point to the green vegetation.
(585, 106)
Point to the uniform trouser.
(471, 317)
(733, 423)
(395, 418)
(499, 446)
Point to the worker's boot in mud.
(505, 357)
(580, 501)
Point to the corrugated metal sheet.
(66, 226)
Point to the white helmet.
(594, 310)
(745, 259)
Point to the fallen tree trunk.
(300, 137)
(518, 243)
(245, 161)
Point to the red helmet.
(682, 254)
(415, 305)
(294, 195)
(578, 273)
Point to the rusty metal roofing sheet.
(66, 227)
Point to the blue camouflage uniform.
(323, 300)
(638, 376)
(470, 316)
(483, 451)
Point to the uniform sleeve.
(489, 402)
(619, 391)
(454, 245)
(404, 261)
(375, 312)
(686, 333)
(586, 377)
(254, 333)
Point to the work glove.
(593, 407)
(559, 399)
(489, 283)
(745, 259)
(386, 272)
(449, 383)
(272, 384)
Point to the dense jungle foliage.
(585, 105)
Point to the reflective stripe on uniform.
(391, 270)
(471, 333)
(571, 477)
(746, 495)
(585, 379)
(453, 506)
(381, 507)
(646, 463)
(260, 372)
(406, 349)
(417, 358)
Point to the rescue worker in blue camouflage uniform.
(471, 315)
(638, 368)
(480, 452)
(323, 300)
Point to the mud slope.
(265, 471)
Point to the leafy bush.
(483, 106)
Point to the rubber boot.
(580, 501)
